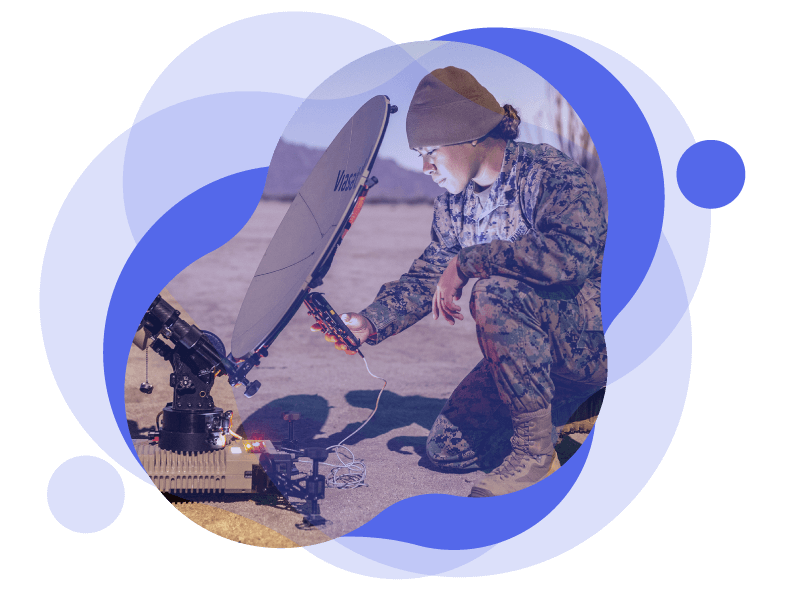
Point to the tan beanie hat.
(449, 107)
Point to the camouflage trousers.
(537, 356)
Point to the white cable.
(377, 401)
(355, 470)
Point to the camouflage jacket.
(544, 223)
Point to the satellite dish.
(301, 250)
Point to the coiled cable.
(350, 472)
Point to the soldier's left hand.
(448, 291)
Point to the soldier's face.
(451, 166)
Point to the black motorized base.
(186, 431)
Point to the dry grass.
(232, 526)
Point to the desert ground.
(332, 391)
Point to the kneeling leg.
(473, 429)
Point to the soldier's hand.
(448, 290)
(360, 326)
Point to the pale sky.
(396, 71)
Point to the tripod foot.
(314, 519)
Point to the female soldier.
(529, 224)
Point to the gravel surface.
(332, 391)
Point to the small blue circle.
(711, 174)
(85, 494)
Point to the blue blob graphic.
(85, 494)
(662, 181)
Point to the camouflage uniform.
(536, 246)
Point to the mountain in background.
(292, 163)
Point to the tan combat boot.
(532, 459)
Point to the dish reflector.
(300, 250)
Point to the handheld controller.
(330, 322)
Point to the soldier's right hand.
(359, 325)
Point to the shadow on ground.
(394, 412)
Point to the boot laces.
(513, 464)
